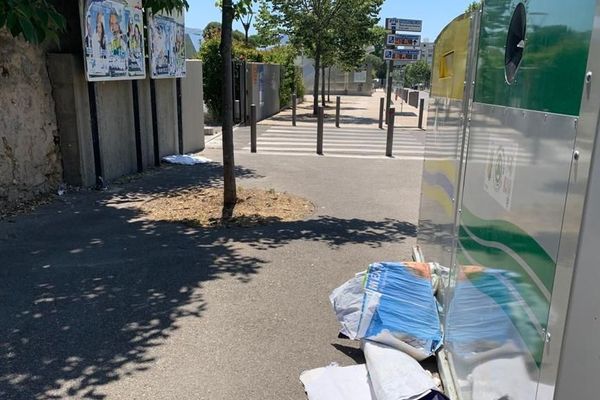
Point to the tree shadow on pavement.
(88, 289)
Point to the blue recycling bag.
(399, 308)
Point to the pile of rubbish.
(392, 310)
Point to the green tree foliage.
(213, 29)
(379, 36)
(291, 76)
(38, 20)
(418, 73)
(210, 54)
(474, 6)
(328, 30)
(353, 31)
(268, 32)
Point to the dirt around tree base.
(203, 208)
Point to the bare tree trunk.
(329, 86)
(246, 30)
(229, 192)
(316, 84)
(323, 86)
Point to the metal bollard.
(421, 112)
(294, 102)
(338, 101)
(253, 128)
(381, 108)
(320, 118)
(390, 132)
(237, 110)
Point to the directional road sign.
(401, 55)
(404, 25)
(403, 40)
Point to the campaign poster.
(135, 28)
(166, 35)
(112, 39)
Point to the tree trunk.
(246, 30)
(323, 86)
(329, 86)
(229, 188)
(316, 84)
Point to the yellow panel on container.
(450, 59)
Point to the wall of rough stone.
(29, 152)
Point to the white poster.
(113, 43)
(360, 77)
(166, 36)
(500, 171)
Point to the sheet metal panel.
(511, 216)
(554, 59)
(443, 142)
(262, 88)
(577, 355)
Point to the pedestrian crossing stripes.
(356, 142)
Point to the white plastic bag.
(186, 159)
(337, 383)
(347, 302)
(394, 375)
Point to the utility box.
(511, 199)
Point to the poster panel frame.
(113, 59)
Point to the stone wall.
(29, 152)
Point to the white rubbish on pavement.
(347, 303)
(337, 383)
(186, 159)
(394, 375)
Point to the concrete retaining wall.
(166, 107)
(116, 128)
(116, 120)
(29, 154)
(193, 112)
(73, 117)
(46, 128)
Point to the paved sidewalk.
(356, 112)
(97, 302)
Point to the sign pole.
(388, 94)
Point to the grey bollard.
(390, 132)
(338, 101)
(421, 112)
(320, 118)
(253, 128)
(294, 102)
(381, 109)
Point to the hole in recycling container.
(515, 43)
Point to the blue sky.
(434, 13)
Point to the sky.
(435, 13)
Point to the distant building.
(193, 41)
(427, 52)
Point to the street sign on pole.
(403, 25)
(401, 54)
(403, 40)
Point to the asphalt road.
(98, 303)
